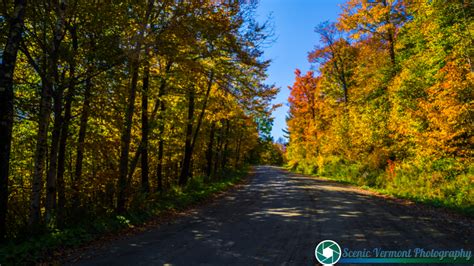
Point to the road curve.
(278, 218)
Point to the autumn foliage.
(391, 105)
(113, 105)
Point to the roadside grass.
(444, 183)
(142, 210)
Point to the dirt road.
(278, 218)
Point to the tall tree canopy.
(108, 103)
(391, 105)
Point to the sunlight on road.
(285, 212)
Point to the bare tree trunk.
(159, 105)
(145, 128)
(142, 150)
(183, 177)
(159, 169)
(218, 152)
(190, 138)
(7, 68)
(226, 144)
(61, 157)
(239, 144)
(161, 128)
(65, 132)
(80, 144)
(125, 139)
(40, 153)
(203, 109)
(49, 89)
(53, 156)
(391, 43)
(210, 151)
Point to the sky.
(294, 22)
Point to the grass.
(443, 183)
(142, 210)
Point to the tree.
(7, 68)
(134, 65)
(379, 19)
(108, 96)
(336, 54)
(406, 69)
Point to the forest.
(113, 113)
(112, 107)
(389, 103)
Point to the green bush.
(439, 182)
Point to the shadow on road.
(278, 218)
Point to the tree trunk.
(62, 155)
(125, 138)
(53, 156)
(80, 144)
(183, 177)
(209, 150)
(218, 152)
(391, 43)
(226, 144)
(7, 68)
(159, 168)
(151, 123)
(239, 144)
(62, 152)
(190, 138)
(161, 128)
(49, 89)
(203, 109)
(390, 36)
(65, 132)
(40, 153)
(145, 128)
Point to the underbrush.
(142, 209)
(444, 182)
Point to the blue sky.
(294, 22)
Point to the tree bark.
(210, 151)
(49, 89)
(53, 156)
(218, 152)
(61, 156)
(183, 177)
(145, 128)
(40, 153)
(391, 43)
(80, 144)
(151, 123)
(126, 139)
(203, 109)
(226, 144)
(7, 68)
(65, 131)
(161, 128)
(190, 137)
(239, 143)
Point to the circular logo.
(327, 252)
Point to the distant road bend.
(277, 219)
